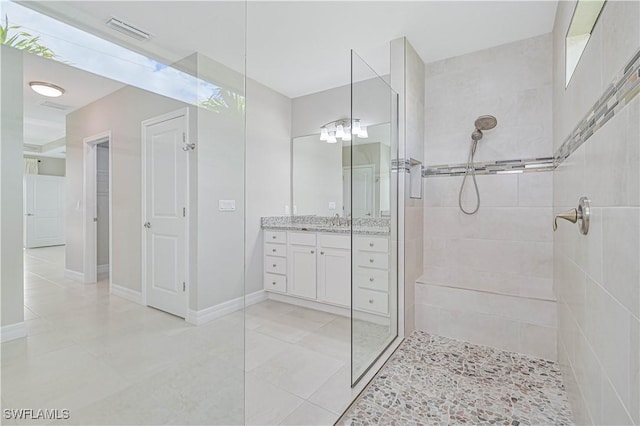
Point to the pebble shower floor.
(435, 380)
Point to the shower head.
(484, 122)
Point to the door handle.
(29, 214)
(147, 225)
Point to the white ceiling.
(301, 47)
(43, 124)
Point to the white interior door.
(165, 195)
(359, 190)
(43, 211)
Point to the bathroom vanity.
(308, 261)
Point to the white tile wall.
(596, 277)
(488, 277)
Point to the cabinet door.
(302, 271)
(334, 276)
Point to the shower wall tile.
(597, 277)
(500, 259)
(511, 323)
(495, 191)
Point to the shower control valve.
(580, 215)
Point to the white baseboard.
(126, 293)
(74, 275)
(13, 331)
(209, 314)
(103, 270)
(310, 304)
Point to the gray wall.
(488, 277)
(596, 277)
(102, 203)
(11, 171)
(121, 113)
(217, 171)
(50, 166)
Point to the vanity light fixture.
(46, 89)
(342, 129)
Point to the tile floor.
(111, 361)
(436, 380)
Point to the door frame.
(182, 112)
(349, 201)
(89, 230)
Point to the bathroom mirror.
(321, 174)
(583, 21)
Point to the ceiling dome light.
(46, 89)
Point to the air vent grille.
(128, 29)
(54, 105)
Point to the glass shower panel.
(172, 109)
(372, 204)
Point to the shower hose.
(470, 169)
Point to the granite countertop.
(372, 226)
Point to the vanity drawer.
(279, 250)
(373, 260)
(275, 282)
(275, 265)
(375, 279)
(373, 244)
(302, 238)
(335, 241)
(279, 237)
(372, 301)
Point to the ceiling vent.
(128, 30)
(54, 105)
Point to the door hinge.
(184, 212)
(184, 286)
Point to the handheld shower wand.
(484, 122)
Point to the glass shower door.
(372, 202)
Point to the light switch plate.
(332, 205)
(227, 205)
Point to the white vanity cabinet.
(334, 269)
(371, 278)
(301, 257)
(316, 266)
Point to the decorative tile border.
(493, 168)
(625, 86)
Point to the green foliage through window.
(22, 40)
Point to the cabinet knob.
(371, 279)
(370, 260)
(273, 250)
(312, 251)
(274, 265)
(370, 300)
(273, 283)
(274, 237)
(370, 244)
(321, 252)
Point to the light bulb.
(356, 127)
(363, 132)
(340, 131)
(332, 138)
(347, 136)
(324, 134)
